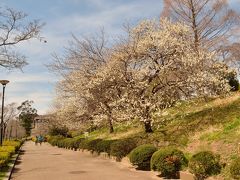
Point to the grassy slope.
(193, 126)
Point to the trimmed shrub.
(92, 144)
(141, 156)
(205, 164)
(235, 168)
(55, 140)
(10, 149)
(84, 144)
(122, 148)
(17, 144)
(64, 143)
(104, 146)
(4, 158)
(68, 143)
(168, 161)
(7, 150)
(75, 144)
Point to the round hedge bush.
(205, 164)
(235, 168)
(122, 148)
(141, 156)
(168, 161)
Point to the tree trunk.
(4, 131)
(110, 119)
(110, 124)
(10, 133)
(148, 127)
(147, 123)
(194, 26)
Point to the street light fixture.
(4, 83)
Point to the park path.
(51, 163)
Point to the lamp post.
(4, 83)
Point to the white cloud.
(19, 77)
(36, 87)
(110, 16)
(41, 100)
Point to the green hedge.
(122, 148)
(118, 148)
(84, 144)
(7, 150)
(168, 162)
(91, 145)
(4, 158)
(141, 156)
(55, 140)
(16, 143)
(75, 143)
(205, 164)
(104, 146)
(10, 149)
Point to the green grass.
(180, 123)
(182, 126)
(229, 133)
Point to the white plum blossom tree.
(150, 70)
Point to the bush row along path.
(51, 163)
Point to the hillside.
(194, 126)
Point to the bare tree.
(83, 54)
(211, 21)
(231, 54)
(14, 29)
(10, 114)
(80, 68)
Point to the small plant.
(168, 161)
(141, 156)
(235, 168)
(122, 148)
(205, 164)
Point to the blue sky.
(62, 18)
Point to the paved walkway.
(51, 163)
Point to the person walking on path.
(36, 140)
(40, 139)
